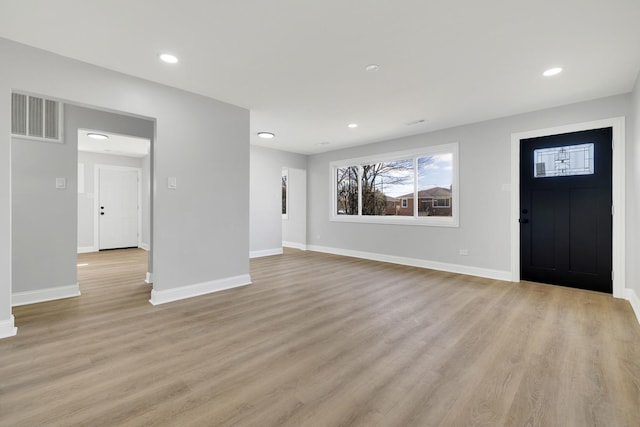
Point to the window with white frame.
(285, 193)
(410, 187)
(441, 203)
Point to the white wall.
(266, 206)
(198, 245)
(484, 159)
(86, 200)
(294, 227)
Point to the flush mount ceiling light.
(552, 71)
(352, 125)
(168, 58)
(372, 68)
(95, 135)
(266, 135)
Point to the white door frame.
(618, 250)
(96, 200)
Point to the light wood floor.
(320, 340)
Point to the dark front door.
(565, 209)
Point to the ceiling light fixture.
(266, 135)
(168, 58)
(552, 71)
(372, 68)
(352, 125)
(100, 136)
(323, 143)
(415, 122)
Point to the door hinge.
(612, 210)
(611, 275)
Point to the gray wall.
(266, 213)
(44, 218)
(633, 194)
(86, 200)
(199, 140)
(484, 162)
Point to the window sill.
(398, 220)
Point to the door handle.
(523, 220)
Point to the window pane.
(284, 193)
(347, 190)
(563, 161)
(435, 179)
(383, 187)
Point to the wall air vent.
(35, 118)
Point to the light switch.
(61, 183)
(172, 183)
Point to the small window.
(404, 203)
(285, 193)
(441, 203)
(568, 160)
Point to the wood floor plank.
(321, 340)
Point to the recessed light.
(415, 122)
(372, 68)
(266, 135)
(168, 58)
(552, 71)
(352, 125)
(97, 135)
(323, 143)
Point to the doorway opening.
(114, 204)
(294, 208)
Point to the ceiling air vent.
(35, 117)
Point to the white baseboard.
(149, 278)
(144, 246)
(7, 328)
(183, 292)
(295, 245)
(266, 252)
(632, 297)
(87, 249)
(42, 295)
(414, 262)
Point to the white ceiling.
(299, 66)
(119, 145)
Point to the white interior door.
(118, 208)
